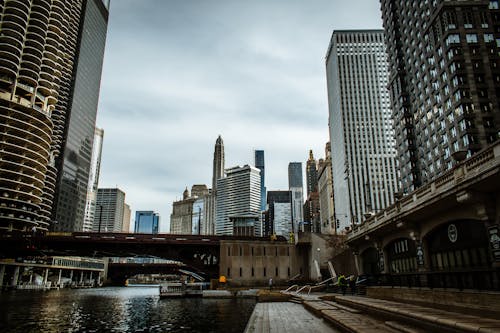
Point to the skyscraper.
(238, 194)
(296, 187)
(110, 208)
(311, 205)
(95, 167)
(218, 168)
(147, 222)
(444, 82)
(74, 162)
(361, 135)
(325, 192)
(280, 213)
(42, 46)
(311, 174)
(259, 164)
(126, 218)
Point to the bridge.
(444, 234)
(200, 253)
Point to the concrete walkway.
(285, 317)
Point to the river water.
(119, 309)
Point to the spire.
(185, 195)
(218, 167)
(311, 157)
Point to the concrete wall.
(251, 263)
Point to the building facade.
(36, 92)
(74, 162)
(238, 194)
(325, 192)
(444, 82)
(109, 210)
(259, 164)
(95, 168)
(181, 218)
(311, 205)
(147, 222)
(362, 141)
(296, 187)
(280, 213)
(127, 214)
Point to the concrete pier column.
(90, 279)
(81, 277)
(59, 278)
(45, 276)
(31, 277)
(2, 273)
(15, 277)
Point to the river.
(119, 309)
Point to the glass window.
(471, 38)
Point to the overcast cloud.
(177, 73)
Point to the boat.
(182, 289)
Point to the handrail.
(324, 281)
(294, 286)
(298, 291)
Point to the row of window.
(271, 252)
(264, 272)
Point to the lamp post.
(100, 218)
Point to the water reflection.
(119, 310)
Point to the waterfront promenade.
(321, 312)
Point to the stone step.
(343, 307)
(428, 319)
(355, 322)
(403, 328)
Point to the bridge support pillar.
(81, 277)
(71, 275)
(59, 278)
(2, 273)
(45, 276)
(15, 277)
(90, 279)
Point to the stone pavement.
(285, 317)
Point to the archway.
(402, 256)
(370, 260)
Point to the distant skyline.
(178, 74)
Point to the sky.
(178, 73)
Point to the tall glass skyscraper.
(147, 222)
(95, 168)
(362, 140)
(259, 164)
(43, 46)
(74, 162)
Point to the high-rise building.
(444, 82)
(259, 164)
(311, 205)
(127, 214)
(74, 162)
(44, 47)
(238, 194)
(218, 167)
(296, 187)
(280, 213)
(147, 222)
(95, 168)
(311, 174)
(109, 210)
(361, 135)
(181, 218)
(325, 192)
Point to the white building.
(95, 167)
(325, 189)
(237, 194)
(361, 134)
(110, 208)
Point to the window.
(488, 38)
(493, 4)
(471, 38)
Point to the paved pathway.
(285, 317)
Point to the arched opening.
(370, 260)
(459, 256)
(402, 256)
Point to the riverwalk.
(320, 312)
(277, 317)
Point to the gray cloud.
(179, 73)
